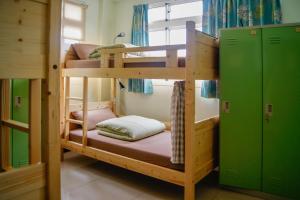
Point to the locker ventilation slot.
(232, 41)
(274, 40)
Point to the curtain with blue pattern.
(236, 13)
(140, 37)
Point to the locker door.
(241, 108)
(20, 109)
(281, 127)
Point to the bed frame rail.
(120, 59)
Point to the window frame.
(73, 23)
(169, 24)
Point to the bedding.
(130, 128)
(95, 116)
(155, 149)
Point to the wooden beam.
(35, 121)
(67, 107)
(162, 173)
(5, 131)
(189, 189)
(150, 73)
(85, 110)
(16, 125)
(139, 49)
(53, 109)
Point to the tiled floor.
(87, 179)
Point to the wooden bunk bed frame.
(200, 137)
(27, 53)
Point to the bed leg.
(189, 191)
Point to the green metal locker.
(281, 98)
(241, 105)
(19, 112)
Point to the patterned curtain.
(140, 37)
(236, 13)
(177, 122)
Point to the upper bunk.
(201, 61)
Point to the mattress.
(96, 64)
(155, 149)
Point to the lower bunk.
(151, 156)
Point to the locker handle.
(269, 112)
(226, 106)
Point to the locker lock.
(18, 101)
(269, 112)
(226, 107)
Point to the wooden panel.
(15, 183)
(206, 136)
(207, 57)
(166, 174)
(23, 39)
(151, 73)
(35, 121)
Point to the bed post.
(113, 95)
(189, 185)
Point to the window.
(74, 21)
(167, 21)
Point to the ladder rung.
(75, 98)
(75, 121)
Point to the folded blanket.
(130, 128)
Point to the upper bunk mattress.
(96, 64)
(155, 149)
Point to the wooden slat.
(119, 60)
(35, 116)
(91, 106)
(172, 59)
(73, 121)
(113, 95)
(85, 110)
(67, 107)
(162, 173)
(104, 60)
(74, 98)
(18, 182)
(150, 73)
(5, 131)
(16, 125)
(52, 130)
(144, 59)
(139, 49)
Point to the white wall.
(92, 36)
(157, 105)
(290, 11)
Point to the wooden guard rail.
(33, 128)
(84, 101)
(119, 55)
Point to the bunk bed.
(201, 63)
